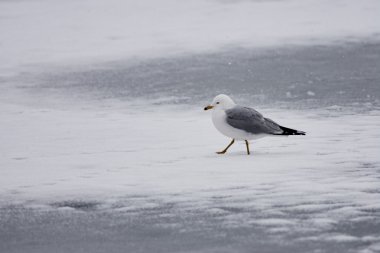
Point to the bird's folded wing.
(251, 121)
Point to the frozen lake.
(104, 164)
(105, 145)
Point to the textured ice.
(260, 76)
(105, 146)
(158, 168)
(73, 33)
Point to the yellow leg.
(247, 144)
(225, 150)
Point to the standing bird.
(243, 123)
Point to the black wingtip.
(289, 131)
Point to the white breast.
(219, 119)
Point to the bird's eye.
(217, 103)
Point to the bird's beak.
(208, 107)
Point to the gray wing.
(251, 121)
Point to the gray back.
(251, 121)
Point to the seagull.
(243, 123)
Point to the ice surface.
(146, 162)
(105, 146)
(85, 166)
(260, 77)
(83, 162)
(86, 31)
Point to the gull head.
(222, 102)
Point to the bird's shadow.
(252, 154)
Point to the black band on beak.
(208, 107)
